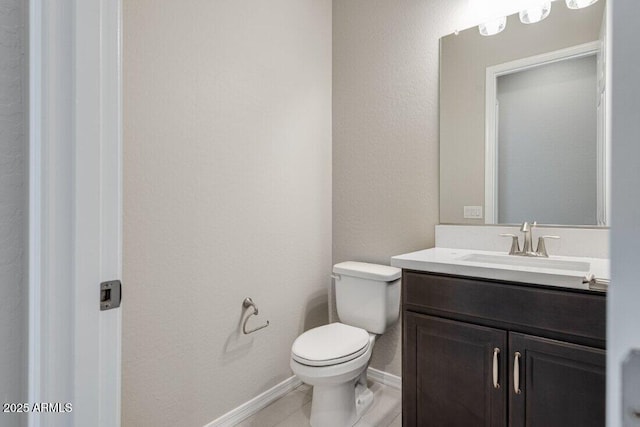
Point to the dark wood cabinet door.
(561, 384)
(448, 373)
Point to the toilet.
(334, 358)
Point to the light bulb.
(537, 13)
(493, 27)
(579, 4)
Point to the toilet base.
(364, 400)
(340, 405)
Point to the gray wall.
(465, 58)
(13, 206)
(227, 195)
(385, 132)
(547, 144)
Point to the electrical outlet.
(473, 212)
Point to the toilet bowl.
(333, 358)
(340, 393)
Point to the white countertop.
(448, 261)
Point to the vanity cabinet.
(489, 353)
(561, 383)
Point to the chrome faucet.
(527, 246)
(526, 229)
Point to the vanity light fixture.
(536, 13)
(579, 4)
(493, 27)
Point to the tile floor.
(293, 409)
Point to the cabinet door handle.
(516, 372)
(496, 352)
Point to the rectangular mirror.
(522, 122)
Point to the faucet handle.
(515, 244)
(542, 248)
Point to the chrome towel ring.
(247, 303)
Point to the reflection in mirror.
(522, 122)
(545, 145)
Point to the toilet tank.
(367, 295)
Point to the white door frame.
(623, 100)
(75, 197)
(491, 116)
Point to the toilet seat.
(330, 345)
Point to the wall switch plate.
(473, 212)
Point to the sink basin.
(561, 271)
(521, 261)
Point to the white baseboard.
(249, 408)
(385, 378)
(263, 400)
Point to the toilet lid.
(330, 344)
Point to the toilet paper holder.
(248, 303)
